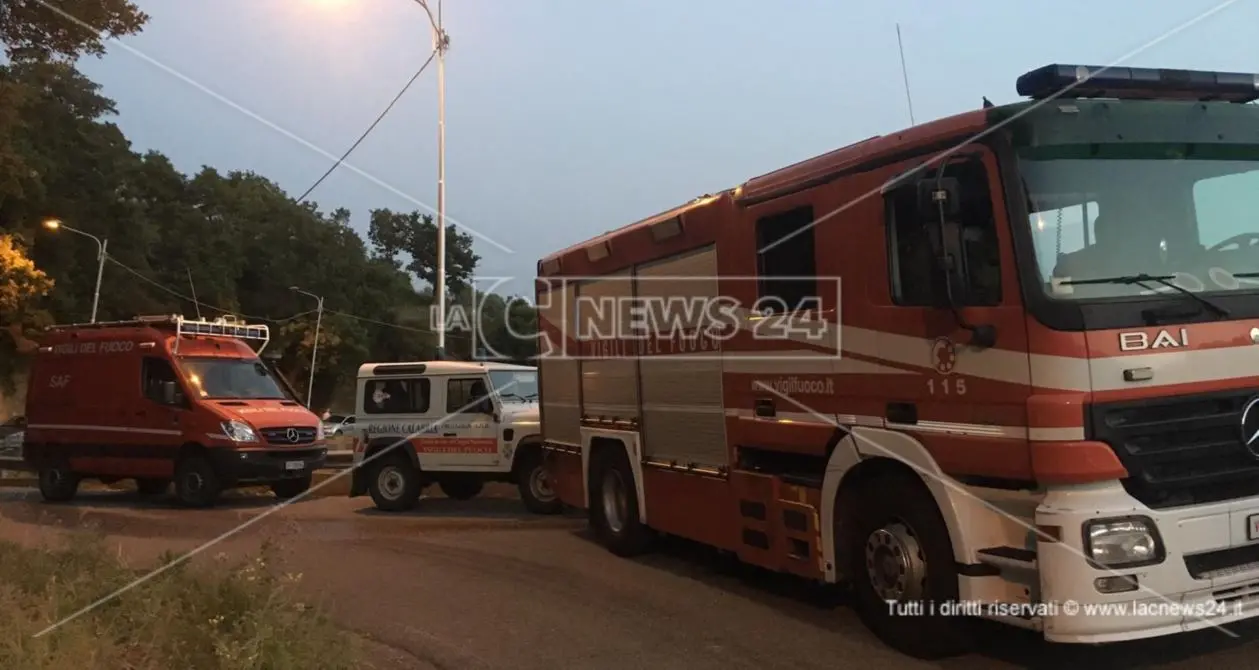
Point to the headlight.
(319, 434)
(239, 431)
(1122, 543)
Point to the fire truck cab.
(165, 398)
(1004, 364)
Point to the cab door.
(966, 400)
(468, 435)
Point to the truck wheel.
(287, 489)
(614, 505)
(58, 484)
(460, 488)
(534, 482)
(196, 482)
(395, 485)
(901, 552)
(152, 487)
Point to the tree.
(34, 29)
(21, 284)
(414, 235)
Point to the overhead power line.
(370, 128)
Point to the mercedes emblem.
(292, 435)
(1250, 427)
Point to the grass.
(231, 618)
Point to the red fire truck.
(1005, 363)
(162, 398)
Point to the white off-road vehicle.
(453, 423)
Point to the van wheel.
(152, 487)
(534, 482)
(196, 482)
(460, 488)
(58, 484)
(614, 505)
(287, 489)
(901, 552)
(395, 485)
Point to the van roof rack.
(223, 326)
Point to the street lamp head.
(52, 224)
(295, 288)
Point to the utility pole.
(314, 349)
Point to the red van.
(162, 399)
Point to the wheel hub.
(895, 563)
(540, 485)
(391, 483)
(193, 482)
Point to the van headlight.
(239, 431)
(319, 434)
(1122, 543)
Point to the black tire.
(461, 487)
(900, 550)
(614, 505)
(197, 485)
(287, 489)
(152, 487)
(534, 483)
(57, 483)
(395, 484)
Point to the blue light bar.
(1135, 83)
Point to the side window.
(785, 261)
(396, 396)
(970, 243)
(463, 395)
(154, 373)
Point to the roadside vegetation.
(236, 236)
(244, 615)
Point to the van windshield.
(515, 385)
(231, 378)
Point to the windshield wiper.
(513, 395)
(1143, 279)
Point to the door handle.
(765, 407)
(902, 412)
(450, 434)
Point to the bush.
(241, 616)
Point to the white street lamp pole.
(101, 247)
(441, 42)
(314, 349)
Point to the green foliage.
(243, 615)
(414, 236)
(239, 237)
(65, 28)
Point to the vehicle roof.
(799, 175)
(444, 367)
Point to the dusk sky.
(567, 118)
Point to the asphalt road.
(481, 584)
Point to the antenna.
(195, 302)
(905, 74)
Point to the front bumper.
(1209, 577)
(248, 466)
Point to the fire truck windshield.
(1185, 211)
(231, 378)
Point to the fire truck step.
(1008, 558)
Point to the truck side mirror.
(170, 393)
